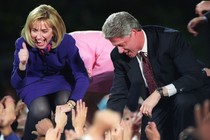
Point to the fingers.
(23, 56)
(206, 108)
(198, 114)
(201, 112)
(73, 115)
(24, 46)
(198, 11)
(146, 111)
(35, 133)
(191, 28)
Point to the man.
(177, 79)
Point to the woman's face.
(42, 34)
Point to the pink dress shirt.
(95, 51)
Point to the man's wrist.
(160, 91)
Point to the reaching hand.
(60, 119)
(7, 111)
(53, 134)
(7, 115)
(131, 123)
(71, 135)
(202, 7)
(194, 23)
(117, 133)
(202, 117)
(79, 117)
(207, 70)
(152, 131)
(150, 103)
(42, 127)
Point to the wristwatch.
(160, 91)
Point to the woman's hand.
(23, 57)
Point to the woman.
(47, 68)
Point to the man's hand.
(150, 103)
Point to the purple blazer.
(60, 69)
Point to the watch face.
(160, 91)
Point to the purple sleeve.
(12, 136)
(78, 70)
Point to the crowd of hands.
(106, 124)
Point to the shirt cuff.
(171, 89)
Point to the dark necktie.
(148, 74)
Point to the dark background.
(90, 15)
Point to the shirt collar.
(144, 49)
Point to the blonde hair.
(49, 15)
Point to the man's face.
(127, 44)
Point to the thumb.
(35, 133)
(24, 46)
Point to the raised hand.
(79, 117)
(7, 111)
(202, 118)
(60, 119)
(53, 134)
(23, 57)
(202, 7)
(42, 126)
(152, 131)
(7, 115)
(191, 26)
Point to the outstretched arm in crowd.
(78, 121)
(202, 7)
(42, 127)
(79, 117)
(7, 117)
(202, 117)
(152, 132)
